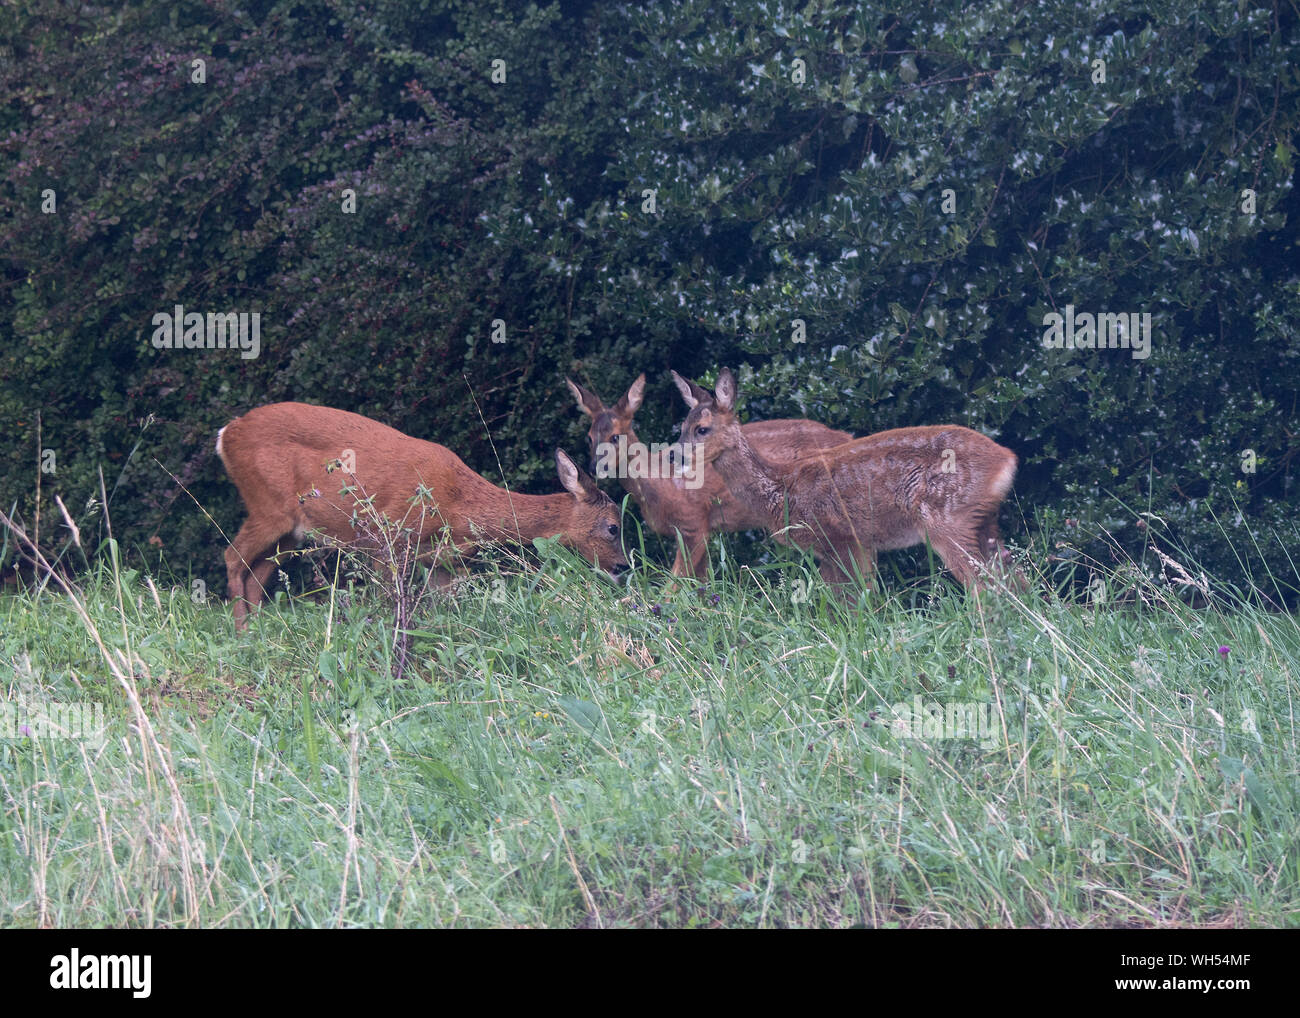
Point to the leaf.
(585, 714)
(327, 665)
(881, 764)
(309, 737)
(1236, 771)
(547, 547)
(435, 772)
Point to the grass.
(561, 752)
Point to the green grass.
(561, 752)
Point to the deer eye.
(702, 430)
(613, 530)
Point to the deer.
(301, 468)
(942, 484)
(694, 507)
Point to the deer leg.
(249, 567)
(960, 553)
(692, 550)
(442, 562)
(997, 556)
(235, 571)
(697, 548)
(260, 576)
(839, 567)
(989, 541)
(969, 554)
(442, 577)
(248, 586)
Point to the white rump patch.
(1003, 479)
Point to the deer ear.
(635, 394)
(687, 388)
(724, 393)
(588, 402)
(575, 481)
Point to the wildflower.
(1223, 651)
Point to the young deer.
(890, 490)
(670, 505)
(290, 460)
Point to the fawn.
(890, 490)
(672, 505)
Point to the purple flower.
(1223, 651)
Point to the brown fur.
(942, 484)
(668, 505)
(277, 456)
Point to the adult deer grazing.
(672, 505)
(302, 468)
(890, 490)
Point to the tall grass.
(561, 752)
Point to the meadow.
(546, 749)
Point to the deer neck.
(520, 518)
(653, 494)
(744, 469)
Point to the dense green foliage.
(656, 185)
